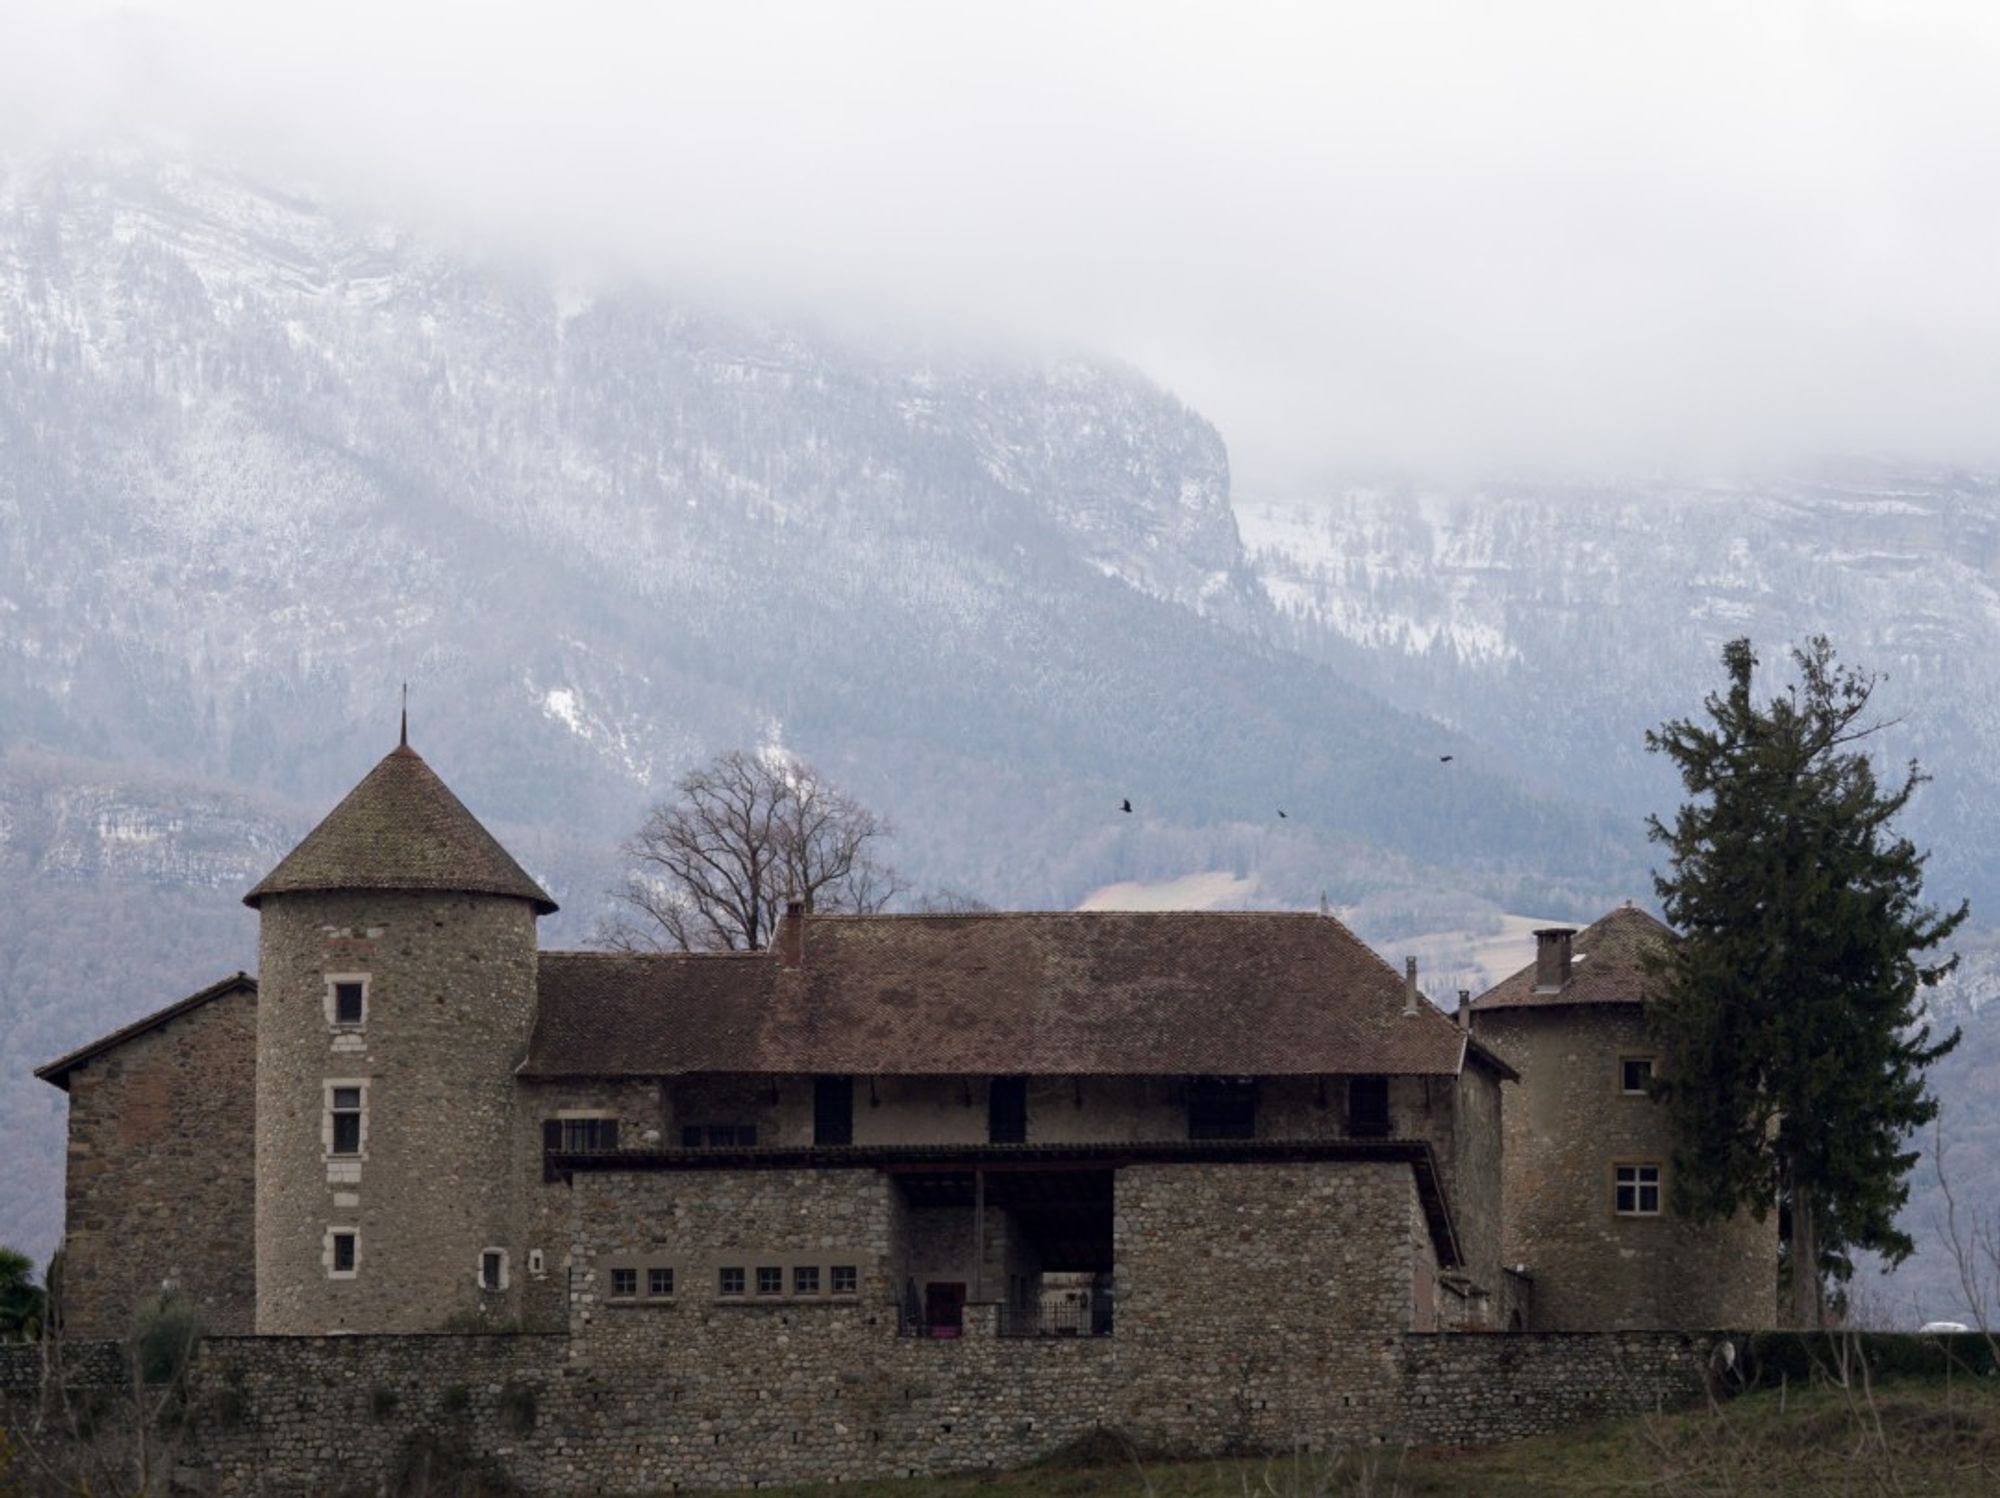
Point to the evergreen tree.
(1789, 1008)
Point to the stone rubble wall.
(299, 1415)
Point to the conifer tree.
(1789, 1008)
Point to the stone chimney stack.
(1409, 986)
(791, 938)
(1552, 958)
(1465, 1009)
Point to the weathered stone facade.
(1568, 1125)
(160, 1191)
(450, 998)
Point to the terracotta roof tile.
(401, 828)
(1058, 993)
(1605, 966)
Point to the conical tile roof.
(401, 829)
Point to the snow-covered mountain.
(262, 460)
(1558, 623)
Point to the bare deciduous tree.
(744, 833)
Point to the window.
(718, 1136)
(659, 1282)
(729, 1281)
(805, 1279)
(1007, 1110)
(346, 1000)
(624, 1283)
(1636, 1190)
(493, 1269)
(842, 1279)
(343, 1252)
(1635, 1074)
(349, 1000)
(770, 1280)
(580, 1134)
(344, 1118)
(833, 1110)
(1222, 1108)
(1368, 1107)
(537, 1264)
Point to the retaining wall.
(344, 1415)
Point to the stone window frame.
(800, 1291)
(833, 1290)
(327, 1154)
(340, 1230)
(1658, 1183)
(1652, 1070)
(728, 1289)
(537, 1263)
(642, 1269)
(501, 1280)
(333, 1022)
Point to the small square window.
(805, 1279)
(770, 1280)
(348, 1000)
(729, 1281)
(1636, 1190)
(843, 1279)
(1635, 1074)
(344, 1246)
(659, 1282)
(624, 1283)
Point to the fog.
(1465, 237)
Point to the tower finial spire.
(405, 743)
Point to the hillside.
(263, 459)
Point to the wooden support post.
(978, 1234)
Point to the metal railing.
(1089, 1317)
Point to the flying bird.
(1445, 759)
(1281, 811)
(1126, 805)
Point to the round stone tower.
(397, 952)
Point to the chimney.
(1409, 986)
(1465, 1009)
(791, 939)
(1552, 958)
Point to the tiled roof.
(401, 829)
(57, 1071)
(1058, 993)
(1605, 966)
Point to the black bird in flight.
(1126, 806)
(1445, 759)
(1281, 811)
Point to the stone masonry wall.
(1566, 1126)
(451, 985)
(161, 1131)
(312, 1416)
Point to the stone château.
(1203, 1143)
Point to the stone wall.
(451, 989)
(309, 1416)
(1566, 1126)
(161, 1133)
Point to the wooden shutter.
(551, 1142)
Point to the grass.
(1910, 1438)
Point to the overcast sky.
(1475, 235)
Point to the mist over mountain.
(261, 462)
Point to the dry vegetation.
(1909, 1438)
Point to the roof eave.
(56, 1072)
